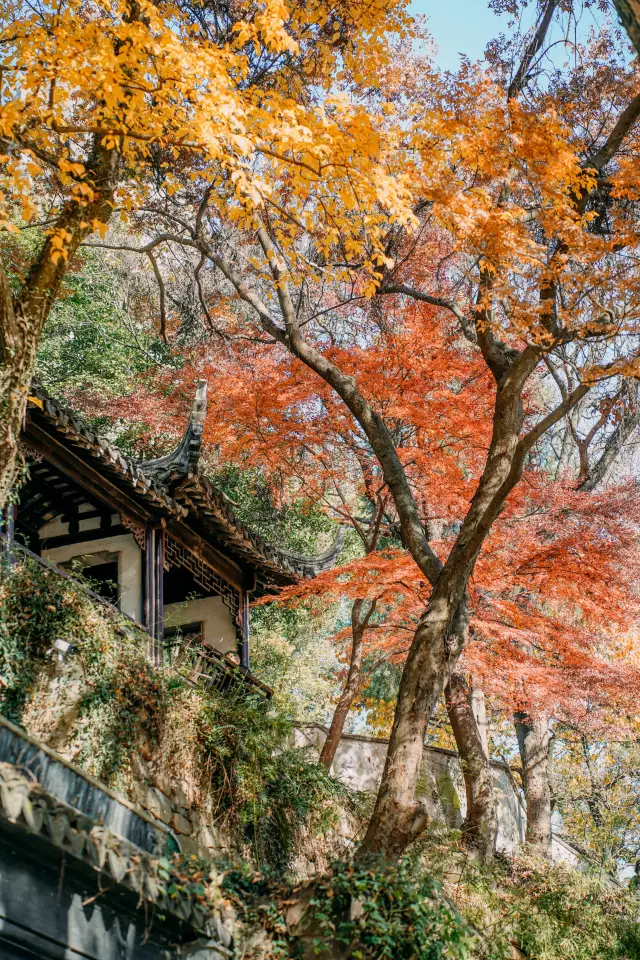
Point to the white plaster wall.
(58, 528)
(219, 630)
(359, 762)
(129, 566)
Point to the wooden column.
(153, 592)
(243, 641)
(159, 616)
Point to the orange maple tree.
(553, 592)
(508, 201)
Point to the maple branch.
(622, 127)
(497, 355)
(615, 441)
(533, 48)
(161, 293)
(371, 422)
(212, 326)
(465, 323)
(148, 247)
(569, 402)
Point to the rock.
(183, 793)
(181, 825)
(153, 800)
(191, 847)
(209, 839)
(164, 810)
(139, 767)
(162, 781)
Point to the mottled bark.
(350, 690)
(629, 13)
(534, 741)
(22, 317)
(443, 629)
(481, 823)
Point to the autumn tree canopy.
(437, 272)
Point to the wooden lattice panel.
(203, 574)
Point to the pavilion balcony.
(186, 652)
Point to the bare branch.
(533, 48)
(616, 440)
(450, 305)
(162, 293)
(623, 125)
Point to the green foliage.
(90, 339)
(358, 912)
(572, 915)
(292, 654)
(238, 744)
(548, 912)
(392, 912)
(597, 786)
(37, 607)
(268, 789)
(94, 337)
(295, 526)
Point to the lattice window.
(205, 577)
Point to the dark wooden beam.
(227, 569)
(86, 536)
(63, 497)
(95, 482)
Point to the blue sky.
(459, 26)
(465, 26)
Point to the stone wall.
(80, 871)
(180, 805)
(171, 792)
(174, 800)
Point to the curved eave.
(192, 500)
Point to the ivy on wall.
(236, 746)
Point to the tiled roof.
(173, 487)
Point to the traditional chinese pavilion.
(154, 536)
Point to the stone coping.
(79, 790)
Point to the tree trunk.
(534, 741)
(481, 824)
(350, 691)
(23, 317)
(442, 632)
(398, 818)
(629, 13)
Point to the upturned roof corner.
(182, 462)
(171, 486)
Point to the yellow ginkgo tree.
(103, 104)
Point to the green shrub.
(545, 911)
(357, 912)
(238, 743)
